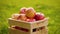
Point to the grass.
(51, 9)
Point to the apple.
(19, 17)
(30, 13)
(23, 10)
(39, 16)
(22, 17)
(15, 16)
(30, 20)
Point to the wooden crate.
(28, 25)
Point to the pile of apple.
(28, 14)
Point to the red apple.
(30, 13)
(23, 10)
(30, 20)
(39, 16)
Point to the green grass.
(51, 9)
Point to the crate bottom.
(15, 31)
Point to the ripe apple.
(23, 10)
(30, 20)
(39, 16)
(22, 17)
(30, 13)
(15, 16)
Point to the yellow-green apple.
(30, 13)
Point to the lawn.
(51, 9)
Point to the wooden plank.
(15, 31)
